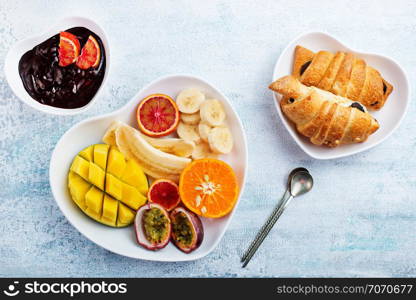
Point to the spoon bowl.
(300, 183)
(292, 173)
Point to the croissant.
(343, 74)
(325, 118)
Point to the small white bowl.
(389, 116)
(11, 66)
(91, 131)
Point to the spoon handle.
(263, 229)
(264, 232)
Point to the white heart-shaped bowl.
(11, 65)
(90, 131)
(389, 116)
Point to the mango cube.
(132, 197)
(81, 167)
(113, 186)
(94, 200)
(100, 155)
(116, 162)
(110, 208)
(92, 214)
(87, 153)
(125, 215)
(96, 176)
(134, 176)
(78, 187)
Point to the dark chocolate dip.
(64, 87)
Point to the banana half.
(153, 161)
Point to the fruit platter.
(158, 179)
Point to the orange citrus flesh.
(165, 193)
(209, 187)
(68, 48)
(157, 115)
(90, 54)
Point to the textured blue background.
(359, 220)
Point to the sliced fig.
(153, 227)
(187, 230)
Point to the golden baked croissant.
(343, 74)
(325, 118)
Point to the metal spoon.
(299, 182)
(273, 214)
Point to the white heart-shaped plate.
(389, 116)
(11, 65)
(90, 131)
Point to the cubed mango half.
(106, 186)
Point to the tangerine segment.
(157, 115)
(209, 187)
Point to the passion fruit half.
(153, 227)
(187, 230)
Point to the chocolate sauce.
(64, 87)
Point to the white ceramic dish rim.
(134, 98)
(295, 135)
(39, 38)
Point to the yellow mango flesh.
(87, 153)
(106, 186)
(81, 167)
(96, 176)
(134, 176)
(110, 209)
(100, 155)
(116, 163)
(125, 215)
(94, 199)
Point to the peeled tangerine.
(106, 186)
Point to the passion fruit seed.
(182, 229)
(155, 225)
(187, 230)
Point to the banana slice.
(221, 140)
(202, 150)
(189, 100)
(212, 112)
(188, 132)
(191, 119)
(204, 130)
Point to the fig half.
(153, 227)
(187, 230)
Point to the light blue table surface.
(360, 219)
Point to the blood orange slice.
(68, 48)
(157, 115)
(90, 54)
(208, 187)
(165, 193)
